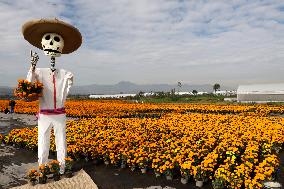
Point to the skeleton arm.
(32, 71)
(34, 59)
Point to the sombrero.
(34, 30)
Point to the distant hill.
(126, 87)
(4, 91)
(129, 87)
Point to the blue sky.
(154, 41)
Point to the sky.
(154, 41)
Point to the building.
(183, 93)
(261, 93)
(225, 93)
(112, 96)
(202, 93)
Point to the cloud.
(159, 41)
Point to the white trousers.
(45, 124)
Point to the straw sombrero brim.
(34, 30)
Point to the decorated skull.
(52, 44)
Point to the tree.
(140, 94)
(194, 92)
(216, 87)
(173, 91)
(179, 85)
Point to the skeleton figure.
(56, 82)
(52, 45)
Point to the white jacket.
(54, 93)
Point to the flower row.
(123, 109)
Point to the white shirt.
(54, 93)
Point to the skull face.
(52, 44)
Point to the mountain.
(126, 87)
(4, 91)
(129, 87)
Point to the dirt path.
(14, 163)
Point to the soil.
(110, 177)
(15, 162)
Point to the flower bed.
(205, 146)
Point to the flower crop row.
(234, 150)
(123, 109)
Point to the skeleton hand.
(34, 59)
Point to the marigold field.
(234, 144)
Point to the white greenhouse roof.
(275, 88)
(112, 96)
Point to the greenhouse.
(261, 93)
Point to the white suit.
(56, 86)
